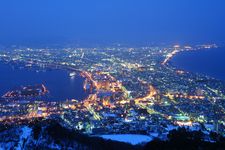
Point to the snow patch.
(26, 132)
(133, 139)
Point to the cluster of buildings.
(132, 90)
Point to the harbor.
(60, 84)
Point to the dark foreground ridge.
(182, 139)
(49, 134)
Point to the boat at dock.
(72, 74)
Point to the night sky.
(131, 21)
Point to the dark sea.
(60, 85)
(209, 62)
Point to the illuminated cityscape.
(131, 90)
(112, 75)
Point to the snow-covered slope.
(49, 134)
(128, 138)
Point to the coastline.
(59, 90)
(204, 61)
